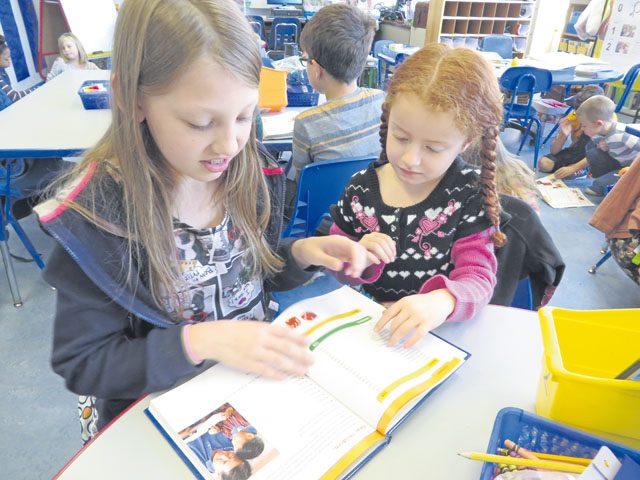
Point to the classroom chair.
(523, 298)
(628, 81)
(377, 49)
(20, 180)
(319, 186)
(257, 23)
(525, 81)
(500, 44)
(283, 30)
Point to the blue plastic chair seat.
(319, 186)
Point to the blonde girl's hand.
(415, 315)
(262, 348)
(334, 252)
(564, 172)
(381, 245)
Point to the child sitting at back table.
(7, 94)
(421, 210)
(335, 44)
(613, 148)
(72, 56)
(168, 231)
(567, 158)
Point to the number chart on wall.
(621, 46)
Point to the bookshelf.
(466, 22)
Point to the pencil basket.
(584, 352)
(546, 436)
(94, 100)
(300, 93)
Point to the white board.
(92, 21)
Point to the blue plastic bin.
(94, 100)
(546, 436)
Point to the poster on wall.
(621, 44)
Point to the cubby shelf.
(448, 20)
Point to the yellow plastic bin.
(272, 89)
(583, 353)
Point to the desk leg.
(11, 275)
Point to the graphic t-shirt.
(217, 282)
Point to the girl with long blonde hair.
(72, 56)
(421, 210)
(168, 231)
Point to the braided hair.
(460, 81)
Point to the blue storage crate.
(546, 436)
(302, 99)
(94, 100)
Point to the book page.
(558, 195)
(355, 364)
(279, 125)
(303, 430)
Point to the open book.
(558, 195)
(323, 425)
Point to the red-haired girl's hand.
(334, 252)
(381, 245)
(262, 348)
(411, 317)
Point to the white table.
(506, 353)
(51, 121)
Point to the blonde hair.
(596, 108)
(154, 42)
(460, 81)
(82, 55)
(513, 177)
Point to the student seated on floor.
(565, 159)
(335, 44)
(618, 217)
(611, 149)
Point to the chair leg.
(536, 149)
(11, 274)
(25, 240)
(526, 135)
(604, 258)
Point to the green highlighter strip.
(360, 321)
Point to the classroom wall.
(19, 25)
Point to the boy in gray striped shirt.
(612, 149)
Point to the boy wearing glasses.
(335, 44)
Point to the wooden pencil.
(525, 462)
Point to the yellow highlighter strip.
(331, 319)
(412, 393)
(395, 384)
(352, 455)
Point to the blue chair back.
(319, 186)
(257, 23)
(628, 81)
(523, 298)
(501, 44)
(524, 80)
(283, 30)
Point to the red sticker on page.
(308, 316)
(293, 322)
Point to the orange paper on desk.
(273, 89)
